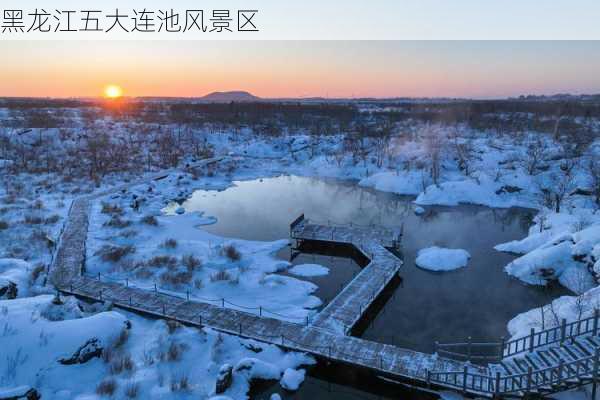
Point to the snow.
(292, 379)
(15, 271)
(419, 210)
(309, 270)
(441, 259)
(35, 343)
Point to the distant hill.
(227, 97)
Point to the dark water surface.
(425, 307)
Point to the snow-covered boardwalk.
(320, 337)
(348, 307)
(544, 362)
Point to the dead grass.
(232, 253)
(114, 253)
(180, 383)
(176, 278)
(169, 244)
(117, 222)
(162, 261)
(221, 275)
(112, 209)
(131, 390)
(190, 262)
(149, 220)
(107, 387)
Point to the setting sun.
(113, 91)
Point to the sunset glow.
(300, 69)
(113, 92)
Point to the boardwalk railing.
(577, 371)
(296, 222)
(259, 310)
(472, 351)
(557, 334)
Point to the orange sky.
(299, 69)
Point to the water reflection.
(474, 301)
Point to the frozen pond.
(426, 306)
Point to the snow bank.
(309, 270)
(440, 259)
(292, 379)
(402, 182)
(570, 308)
(15, 271)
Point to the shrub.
(114, 253)
(36, 272)
(180, 383)
(33, 219)
(220, 276)
(162, 261)
(117, 222)
(198, 284)
(120, 364)
(232, 253)
(131, 390)
(51, 219)
(170, 244)
(190, 262)
(176, 278)
(3, 225)
(107, 387)
(149, 220)
(108, 208)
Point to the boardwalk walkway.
(348, 307)
(326, 335)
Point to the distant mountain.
(227, 97)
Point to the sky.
(475, 69)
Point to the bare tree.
(536, 152)
(593, 170)
(434, 143)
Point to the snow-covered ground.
(147, 240)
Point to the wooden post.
(130, 301)
(155, 288)
(100, 294)
(428, 378)
(465, 374)
(187, 295)
(127, 282)
(595, 321)
(469, 341)
(531, 339)
(563, 330)
(223, 303)
(497, 388)
(260, 311)
(98, 275)
(560, 369)
(501, 352)
(529, 373)
(595, 372)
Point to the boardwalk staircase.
(553, 360)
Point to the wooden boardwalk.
(348, 307)
(529, 365)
